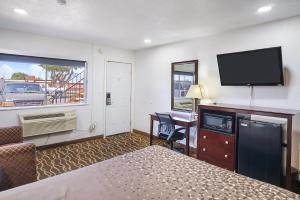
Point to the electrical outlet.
(92, 127)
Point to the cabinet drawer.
(229, 165)
(217, 138)
(217, 149)
(216, 153)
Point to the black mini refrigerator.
(260, 151)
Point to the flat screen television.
(251, 68)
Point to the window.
(36, 81)
(184, 74)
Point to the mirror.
(2, 81)
(184, 74)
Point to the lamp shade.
(195, 92)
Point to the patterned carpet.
(54, 161)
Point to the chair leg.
(171, 144)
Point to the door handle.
(108, 99)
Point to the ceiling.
(126, 23)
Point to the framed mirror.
(184, 74)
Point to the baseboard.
(48, 146)
(142, 133)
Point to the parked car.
(53, 90)
(21, 94)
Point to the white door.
(118, 89)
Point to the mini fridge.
(260, 151)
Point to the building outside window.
(36, 81)
(182, 83)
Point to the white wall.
(153, 70)
(93, 111)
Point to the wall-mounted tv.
(251, 68)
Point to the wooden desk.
(180, 121)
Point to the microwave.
(216, 122)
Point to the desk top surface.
(179, 117)
(252, 108)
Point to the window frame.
(195, 62)
(83, 103)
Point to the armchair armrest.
(11, 135)
(17, 165)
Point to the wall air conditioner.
(46, 123)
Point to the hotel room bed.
(151, 173)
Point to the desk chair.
(167, 131)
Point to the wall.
(95, 55)
(153, 70)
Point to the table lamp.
(195, 92)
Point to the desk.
(183, 121)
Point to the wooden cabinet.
(212, 146)
(217, 149)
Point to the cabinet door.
(259, 151)
(217, 149)
(266, 159)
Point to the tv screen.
(256, 67)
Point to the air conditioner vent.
(44, 116)
(39, 124)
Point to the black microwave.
(222, 123)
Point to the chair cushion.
(18, 165)
(9, 145)
(177, 136)
(163, 136)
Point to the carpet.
(54, 161)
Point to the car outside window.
(37, 81)
(22, 88)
